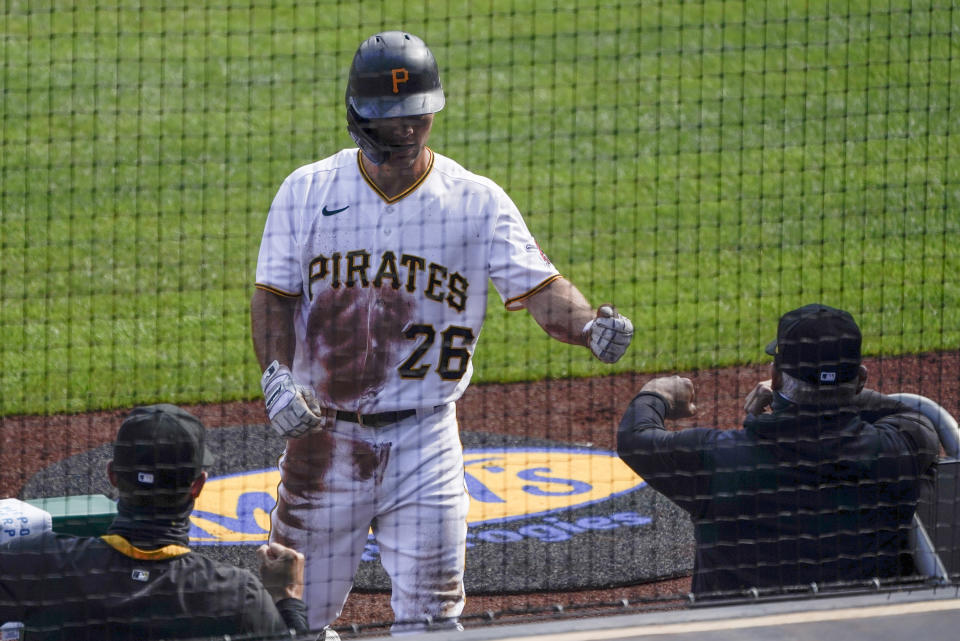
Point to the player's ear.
(197, 486)
(776, 379)
(861, 378)
(111, 475)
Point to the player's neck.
(394, 178)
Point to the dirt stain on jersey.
(365, 459)
(277, 535)
(356, 339)
(445, 597)
(290, 516)
(306, 461)
(369, 457)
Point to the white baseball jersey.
(393, 290)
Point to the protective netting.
(704, 166)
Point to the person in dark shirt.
(141, 580)
(819, 486)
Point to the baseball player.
(371, 290)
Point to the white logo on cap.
(828, 377)
(145, 477)
(10, 631)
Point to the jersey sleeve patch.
(535, 247)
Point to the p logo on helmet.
(400, 76)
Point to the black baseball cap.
(817, 344)
(160, 450)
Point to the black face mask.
(152, 527)
(360, 129)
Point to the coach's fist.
(678, 393)
(609, 334)
(759, 398)
(292, 408)
(281, 571)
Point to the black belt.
(375, 420)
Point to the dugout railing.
(936, 535)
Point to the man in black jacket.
(141, 580)
(821, 484)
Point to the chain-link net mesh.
(703, 166)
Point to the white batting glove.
(292, 408)
(609, 334)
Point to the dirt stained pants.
(406, 481)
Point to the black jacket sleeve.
(874, 406)
(673, 463)
(264, 617)
(916, 429)
(294, 613)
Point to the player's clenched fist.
(609, 334)
(677, 392)
(292, 408)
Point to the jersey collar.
(405, 192)
(124, 547)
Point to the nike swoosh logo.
(331, 212)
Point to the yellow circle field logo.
(504, 484)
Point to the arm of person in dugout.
(917, 429)
(282, 574)
(673, 463)
(271, 324)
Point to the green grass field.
(704, 165)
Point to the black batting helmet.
(393, 74)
